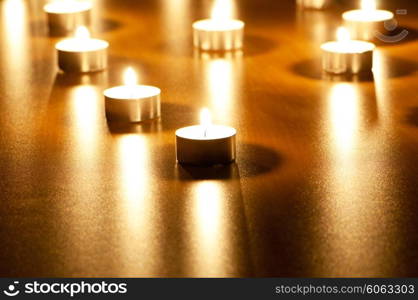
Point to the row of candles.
(204, 144)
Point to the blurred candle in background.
(221, 32)
(365, 22)
(65, 16)
(346, 55)
(82, 53)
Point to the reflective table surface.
(326, 178)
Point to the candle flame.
(82, 32)
(222, 10)
(205, 117)
(368, 5)
(343, 34)
(130, 77)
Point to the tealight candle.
(205, 144)
(220, 32)
(365, 22)
(346, 55)
(132, 102)
(314, 4)
(65, 16)
(82, 53)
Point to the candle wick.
(205, 131)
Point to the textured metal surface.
(352, 63)
(218, 40)
(66, 24)
(365, 31)
(87, 61)
(205, 152)
(133, 110)
(325, 183)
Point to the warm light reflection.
(222, 10)
(358, 185)
(221, 84)
(14, 32)
(133, 156)
(82, 164)
(136, 205)
(343, 198)
(368, 5)
(381, 73)
(208, 199)
(383, 89)
(343, 35)
(82, 32)
(85, 110)
(344, 116)
(380, 65)
(315, 23)
(130, 77)
(208, 229)
(177, 18)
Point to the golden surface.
(326, 180)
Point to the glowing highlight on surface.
(86, 114)
(15, 52)
(221, 85)
(344, 116)
(133, 161)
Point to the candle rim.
(231, 131)
(371, 46)
(153, 92)
(61, 45)
(238, 24)
(81, 7)
(348, 15)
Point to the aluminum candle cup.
(205, 144)
(347, 56)
(195, 148)
(221, 32)
(132, 103)
(357, 57)
(218, 35)
(313, 4)
(364, 23)
(65, 16)
(81, 53)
